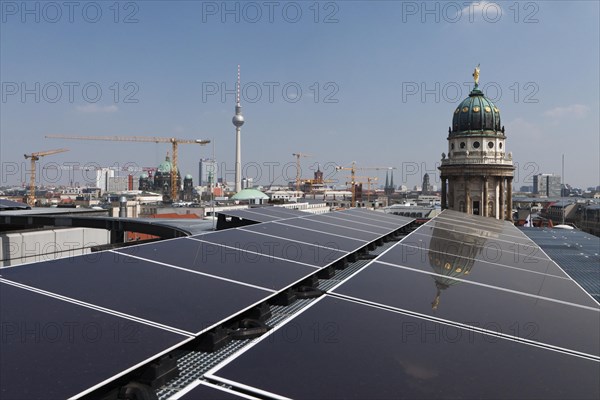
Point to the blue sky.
(379, 81)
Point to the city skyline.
(342, 81)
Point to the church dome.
(165, 167)
(188, 177)
(476, 114)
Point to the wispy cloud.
(95, 109)
(574, 110)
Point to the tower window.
(462, 145)
(500, 145)
(476, 145)
(452, 146)
(491, 145)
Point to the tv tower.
(238, 121)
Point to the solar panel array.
(577, 253)
(464, 306)
(119, 309)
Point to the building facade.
(477, 173)
(547, 185)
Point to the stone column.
(444, 194)
(501, 199)
(509, 199)
(485, 197)
(497, 198)
(450, 194)
(468, 205)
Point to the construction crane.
(353, 182)
(298, 156)
(35, 157)
(148, 139)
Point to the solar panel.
(500, 234)
(576, 252)
(278, 212)
(520, 316)
(335, 229)
(176, 298)
(337, 348)
(264, 214)
(366, 220)
(473, 270)
(319, 238)
(239, 263)
(335, 220)
(483, 249)
(376, 215)
(277, 248)
(54, 349)
(245, 214)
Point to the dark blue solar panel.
(342, 349)
(53, 349)
(142, 289)
(525, 317)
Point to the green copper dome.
(188, 177)
(476, 114)
(249, 194)
(165, 166)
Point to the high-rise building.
(102, 177)
(118, 184)
(477, 174)
(547, 185)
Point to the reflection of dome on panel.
(452, 254)
(476, 114)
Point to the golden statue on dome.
(476, 75)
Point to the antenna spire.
(237, 99)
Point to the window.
(500, 145)
(462, 145)
(491, 145)
(476, 145)
(452, 146)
